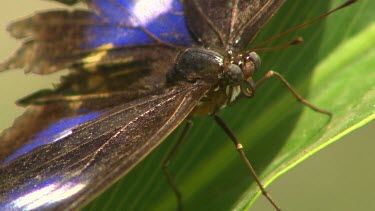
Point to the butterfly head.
(240, 70)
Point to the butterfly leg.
(240, 150)
(172, 183)
(294, 92)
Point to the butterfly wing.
(228, 24)
(83, 160)
(109, 33)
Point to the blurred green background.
(340, 177)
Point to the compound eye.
(254, 58)
(233, 75)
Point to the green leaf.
(353, 105)
(333, 69)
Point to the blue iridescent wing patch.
(129, 23)
(53, 133)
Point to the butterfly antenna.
(349, 2)
(298, 40)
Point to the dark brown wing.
(229, 23)
(96, 154)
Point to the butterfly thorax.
(226, 75)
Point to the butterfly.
(138, 70)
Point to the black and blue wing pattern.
(117, 104)
(104, 63)
(110, 32)
(82, 161)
